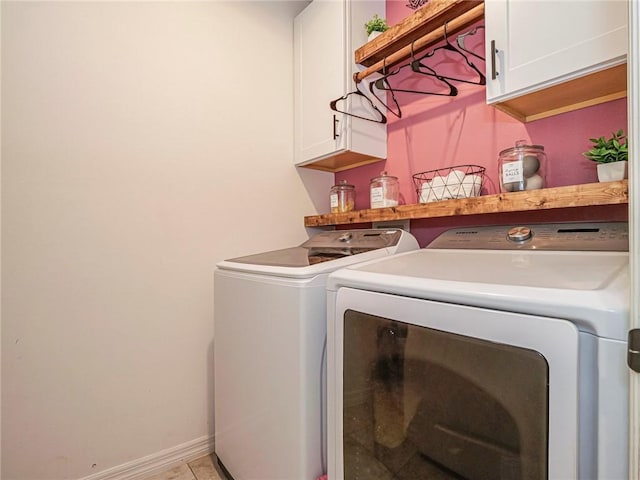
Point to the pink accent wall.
(442, 131)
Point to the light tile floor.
(203, 468)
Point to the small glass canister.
(384, 191)
(522, 167)
(342, 197)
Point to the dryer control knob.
(519, 234)
(345, 237)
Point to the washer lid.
(324, 247)
(325, 251)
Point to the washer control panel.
(591, 236)
(365, 239)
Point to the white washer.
(496, 352)
(270, 329)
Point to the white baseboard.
(157, 462)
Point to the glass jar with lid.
(342, 197)
(522, 167)
(384, 191)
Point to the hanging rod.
(454, 25)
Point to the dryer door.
(434, 390)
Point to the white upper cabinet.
(536, 44)
(326, 34)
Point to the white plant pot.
(373, 35)
(611, 172)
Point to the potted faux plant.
(375, 26)
(611, 155)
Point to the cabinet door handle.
(494, 73)
(335, 127)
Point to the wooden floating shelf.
(586, 195)
(427, 20)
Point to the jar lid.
(521, 145)
(343, 185)
(383, 175)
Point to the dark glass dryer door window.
(425, 404)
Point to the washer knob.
(519, 234)
(345, 237)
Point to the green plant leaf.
(376, 24)
(613, 149)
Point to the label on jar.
(334, 200)
(377, 197)
(512, 172)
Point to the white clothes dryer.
(494, 353)
(270, 330)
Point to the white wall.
(142, 142)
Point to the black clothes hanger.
(383, 84)
(333, 105)
(453, 91)
(416, 65)
(460, 41)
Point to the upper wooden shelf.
(590, 194)
(426, 20)
(423, 28)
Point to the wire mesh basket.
(460, 181)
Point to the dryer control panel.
(592, 236)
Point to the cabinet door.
(320, 73)
(542, 43)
